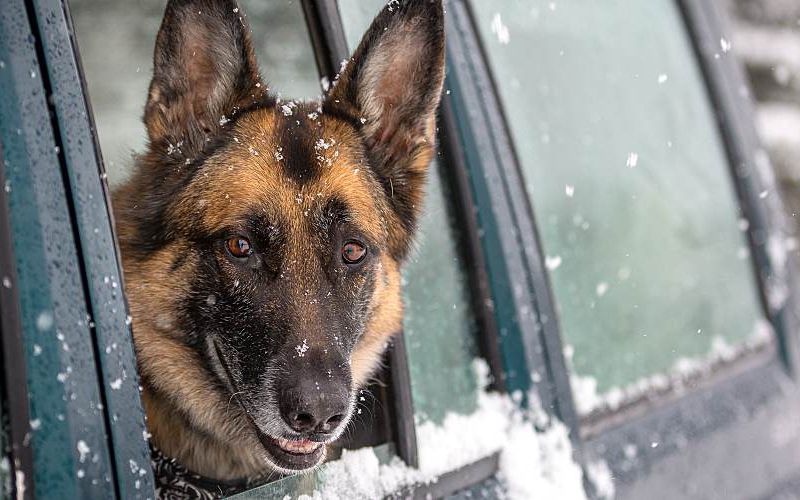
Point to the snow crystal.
(632, 161)
(116, 384)
(83, 450)
(744, 224)
(44, 321)
(569, 190)
(662, 78)
(500, 29)
(601, 288)
(552, 263)
(302, 348)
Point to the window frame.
(62, 177)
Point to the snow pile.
(533, 464)
(683, 372)
(539, 464)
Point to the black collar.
(176, 482)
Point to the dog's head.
(262, 239)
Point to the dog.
(262, 240)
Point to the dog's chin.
(292, 456)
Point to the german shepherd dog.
(262, 240)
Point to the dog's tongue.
(298, 446)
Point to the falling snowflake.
(633, 160)
(500, 29)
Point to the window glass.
(116, 40)
(630, 184)
(439, 326)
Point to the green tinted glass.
(629, 181)
(439, 326)
(127, 30)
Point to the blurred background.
(766, 36)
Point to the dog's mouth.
(292, 455)
(289, 456)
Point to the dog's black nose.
(315, 405)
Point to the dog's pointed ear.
(390, 88)
(204, 69)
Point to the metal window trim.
(97, 247)
(453, 166)
(530, 336)
(62, 379)
(676, 425)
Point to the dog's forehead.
(287, 163)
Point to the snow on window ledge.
(532, 464)
(684, 372)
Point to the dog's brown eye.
(353, 252)
(239, 247)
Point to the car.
(602, 302)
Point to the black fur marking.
(297, 140)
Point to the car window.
(439, 326)
(623, 162)
(118, 83)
